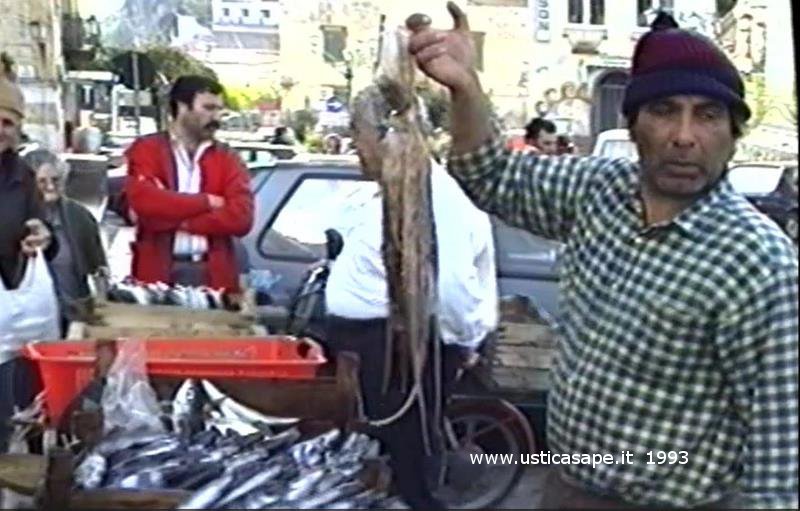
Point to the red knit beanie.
(669, 61)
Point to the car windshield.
(755, 179)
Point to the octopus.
(391, 108)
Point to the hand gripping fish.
(390, 109)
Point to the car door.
(291, 237)
(527, 265)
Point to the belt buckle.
(196, 258)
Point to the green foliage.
(314, 143)
(248, 98)
(437, 102)
(302, 122)
(174, 63)
(170, 62)
(757, 98)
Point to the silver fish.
(304, 484)
(252, 484)
(148, 479)
(206, 496)
(91, 471)
(312, 452)
(340, 492)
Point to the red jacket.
(160, 210)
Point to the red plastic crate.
(68, 366)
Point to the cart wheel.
(484, 426)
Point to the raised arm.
(538, 193)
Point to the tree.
(173, 63)
(248, 98)
(437, 101)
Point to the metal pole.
(136, 86)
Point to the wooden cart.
(119, 320)
(330, 400)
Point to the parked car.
(298, 201)
(772, 188)
(615, 143)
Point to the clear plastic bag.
(129, 402)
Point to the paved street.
(528, 491)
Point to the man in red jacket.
(190, 195)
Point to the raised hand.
(447, 56)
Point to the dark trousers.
(188, 273)
(561, 494)
(19, 384)
(413, 470)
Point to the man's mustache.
(213, 125)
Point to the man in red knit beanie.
(675, 383)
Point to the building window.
(245, 13)
(596, 9)
(334, 42)
(478, 38)
(226, 12)
(576, 11)
(649, 7)
(265, 14)
(317, 204)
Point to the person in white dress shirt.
(357, 305)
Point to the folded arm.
(235, 218)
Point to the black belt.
(190, 258)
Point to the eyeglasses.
(54, 181)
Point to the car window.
(316, 204)
(755, 179)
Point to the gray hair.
(371, 108)
(35, 159)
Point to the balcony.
(585, 39)
(79, 38)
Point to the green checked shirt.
(678, 342)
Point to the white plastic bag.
(29, 312)
(129, 402)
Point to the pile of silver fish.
(232, 471)
(131, 291)
(233, 457)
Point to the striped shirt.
(189, 181)
(673, 338)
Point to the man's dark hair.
(187, 87)
(536, 126)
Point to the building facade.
(242, 45)
(567, 59)
(583, 50)
(30, 32)
(757, 34)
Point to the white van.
(615, 143)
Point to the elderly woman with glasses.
(82, 252)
